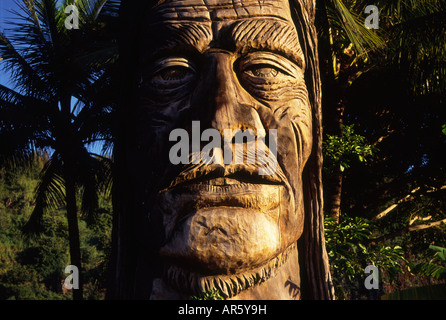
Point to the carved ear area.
(315, 270)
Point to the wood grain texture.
(185, 228)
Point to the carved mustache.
(243, 173)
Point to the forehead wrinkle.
(253, 34)
(219, 10)
(170, 34)
(269, 34)
(194, 23)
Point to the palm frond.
(417, 42)
(111, 8)
(350, 26)
(91, 9)
(50, 18)
(94, 177)
(9, 97)
(18, 111)
(50, 194)
(21, 72)
(24, 125)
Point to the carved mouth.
(260, 197)
(237, 186)
(224, 193)
(218, 175)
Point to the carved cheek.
(301, 122)
(292, 118)
(284, 105)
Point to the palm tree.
(61, 102)
(411, 36)
(417, 42)
(345, 50)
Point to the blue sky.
(5, 5)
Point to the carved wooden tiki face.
(223, 65)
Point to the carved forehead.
(216, 10)
(239, 24)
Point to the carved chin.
(224, 240)
(182, 281)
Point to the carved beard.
(193, 283)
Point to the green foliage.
(351, 248)
(436, 267)
(429, 292)
(346, 250)
(32, 267)
(209, 295)
(340, 150)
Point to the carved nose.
(233, 106)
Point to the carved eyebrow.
(179, 34)
(247, 35)
(268, 34)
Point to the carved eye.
(266, 66)
(173, 72)
(263, 71)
